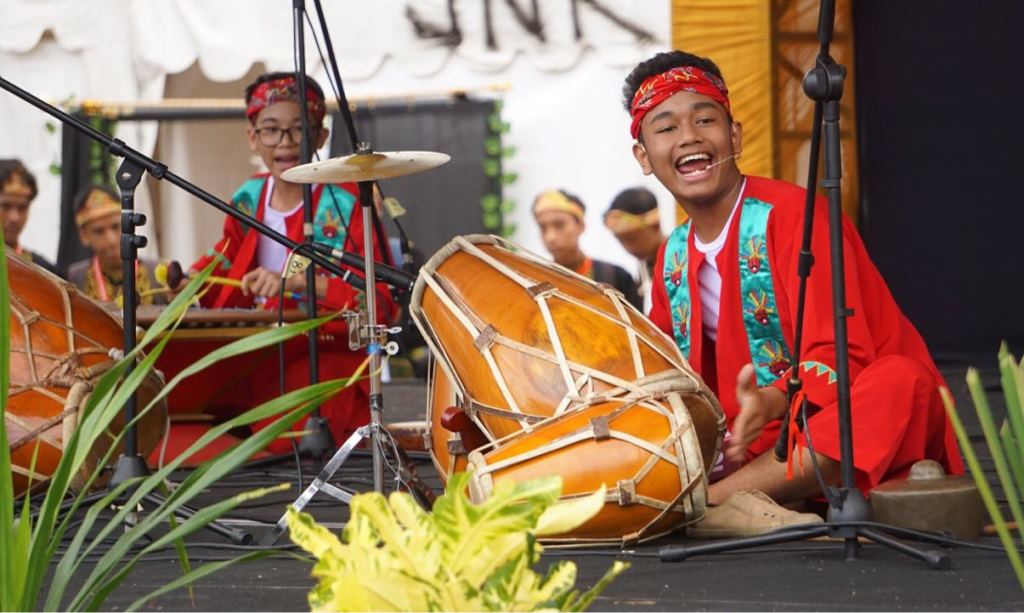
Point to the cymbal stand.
(362, 333)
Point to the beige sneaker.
(747, 513)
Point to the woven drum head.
(521, 343)
(60, 345)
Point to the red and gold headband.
(554, 200)
(655, 90)
(284, 89)
(97, 204)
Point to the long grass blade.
(193, 524)
(48, 533)
(1014, 416)
(8, 586)
(203, 571)
(987, 496)
(992, 438)
(225, 463)
(65, 568)
(267, 338)
(171, 314)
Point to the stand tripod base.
(848, 521)
(320, 484)
(317, 442)
(134, 466)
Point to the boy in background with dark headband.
(633, 219)
(275, 134)
(725, 288)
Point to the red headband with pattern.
(655, 90)
(284, 89)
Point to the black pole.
(130, 464)
(318, 440)
(353, 137)
(849, 514)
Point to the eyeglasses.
(272, 136)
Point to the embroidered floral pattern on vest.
(677, 287)
(768, 348)
(333, 214)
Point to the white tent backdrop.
(562, 103)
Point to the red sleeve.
(818, 351)
(228, 247)
(340, 294)
(661, 311)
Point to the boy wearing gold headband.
(726, 285)
(17, 191)
(559, 216)
(98, 217)
(633, 219)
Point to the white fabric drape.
(562, 103)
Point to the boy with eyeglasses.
(275, 134)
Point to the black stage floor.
(798, 576)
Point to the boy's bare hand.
(261, 282)
(758, 406)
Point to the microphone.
(721, 161)
(381, 272)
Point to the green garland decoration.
(494, 207)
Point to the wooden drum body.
(531, 352)
(61, 343)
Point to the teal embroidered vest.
(768, 350)
(333, 213)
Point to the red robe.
(898, 415)
(348, 410)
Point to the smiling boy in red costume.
(725, 289)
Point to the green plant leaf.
(1014, 442)
(490, 203)
(492, 145)
(491, 221)
(983, 487)
(992, 439)
(618, 567)
(10, 598)
(199, 573)
(566, 514)
(462, 557)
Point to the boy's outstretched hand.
(758, 406)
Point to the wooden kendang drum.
(61, 343)
(540, 371)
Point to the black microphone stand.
(317, 441)
(130, 464)
(371, 334)
(849, 514)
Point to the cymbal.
(366, 167)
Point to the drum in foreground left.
(61, 344)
